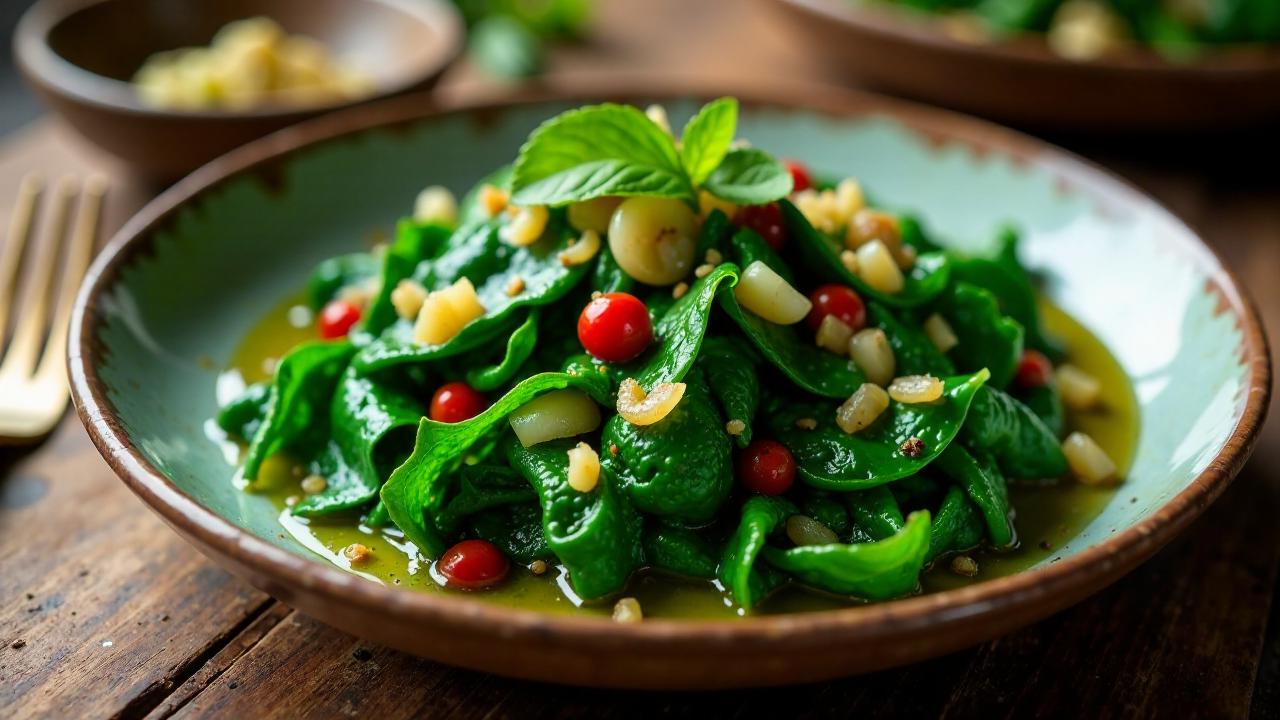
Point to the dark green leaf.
(982, 482)
(519, 347)
(746, 583)
(707, 137)
(749, 177)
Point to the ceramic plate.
(184, 281)
(1020, 80)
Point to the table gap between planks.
(107, 613)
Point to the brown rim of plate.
(1036, 593)
(31, 48)
(924, 28)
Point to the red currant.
(456, 401)
(615, 327)
(1034, 370)
(473, 565)
(766, 221)
(838, 300)
(337, 318)
(766, 467)
(800, 178)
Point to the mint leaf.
(749, 177)
(597, 151)
(707, 137)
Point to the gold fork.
(33, 381)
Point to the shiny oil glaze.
(1046, 515)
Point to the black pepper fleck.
(912, 447)
(362, 654)
(30, 596)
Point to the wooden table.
(106, 612)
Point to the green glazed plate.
(187, 278)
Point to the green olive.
(654, 239)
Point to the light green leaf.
(707, 137)
(749, 177)
(597, 151)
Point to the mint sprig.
(615, 150)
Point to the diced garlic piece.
(939, 332)
(357, 553)
(862, 408)
(554, 415)
(834, 335)
(866, 225)
(870, 351)
(916, 389)
(584, 468)
(878, 269)
(407, 298)
(581, 251)
(526, 226)
(627, 610)
(804, 530)
(849, 259)
(1089, 462)
(765, 293)
(436, 205)
(735, 427)
(445, 312)
(1086, 30)
(640, 408)
(848, 198)
(593, 214)
(313, 484)
(493, 200)
(1079, 389)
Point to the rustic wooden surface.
(108, 613)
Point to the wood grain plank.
(106, 609)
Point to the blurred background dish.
(80, 57)
(1081, 76)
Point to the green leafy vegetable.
(732, 372)
(678, 335)
(875, 511)
(333, 274)
(981, 479)
(519, 347)
(241, 417)
(596, 534)
(988, 339)
(1023, 445)
(749, 177)
(707, 137)
(416, 492)
(597, 151)
(679, 551)
(829, 458)
(746, 583)
(880, 570)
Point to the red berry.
(1034, 370)
(800, 179)
(838, 300)
(615, 327)
(473, 565)
(766, 467)
(766, 220)
(455, 402)
(337, 318)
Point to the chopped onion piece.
(765, 293)
(878, 269)
(871, 352)
(407, 298)
(627, 610)
(834, 335)
(493, 200)
(862, 408)
(584, 468)
(1079, 389)
(915, 389)
(1089, 462)
(436, 204)
(557, 414)
(639, 408)
(527, 225)
(445, 312)
(940, 333)
(581, 251)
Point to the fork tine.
(80, 249)
(10, 255)
(29, 330)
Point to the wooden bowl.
(80, 55)
(173, 295)
(1022, 81)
